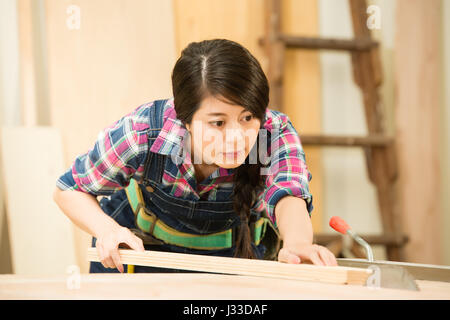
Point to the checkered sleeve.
(288, 174)
(118, 155)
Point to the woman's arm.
(296, 230)
(85, 212)
(293, 221)
(117, 156)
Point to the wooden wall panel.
(237, 20)
(302, 90)
(417, 81)
(243, 21)
(9, 105)
(27, 63)
(41, 237)
(120, 57)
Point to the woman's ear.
(188, 127)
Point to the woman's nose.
(234, 137)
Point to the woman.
(186, 174)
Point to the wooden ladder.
(379, 148)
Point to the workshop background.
(69, 68)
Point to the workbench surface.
(205, 286)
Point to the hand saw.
(389, 274)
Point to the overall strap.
(155, 162)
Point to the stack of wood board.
(240, 266)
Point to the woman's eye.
(249, 118)
(217, 123)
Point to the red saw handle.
(338, 224)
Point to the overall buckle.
(147, 211)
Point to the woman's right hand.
(108, 246)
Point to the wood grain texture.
(417, 116)
(302, 90)
(240, 266)
(189, 286)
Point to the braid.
(247, 184)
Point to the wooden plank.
(375, 140)
(325, 43)
(27, 63)
(40, 235)
(200, 286)
(120, 57)
(275, 51)
(240, 266)
(385, 239)
(417, 73)
(302, 91)
(34, 109)
(9, 104)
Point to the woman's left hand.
(313, 253)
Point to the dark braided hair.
(225, 69)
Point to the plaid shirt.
(121, 149)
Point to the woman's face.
(222, 134)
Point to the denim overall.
(184, 215)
